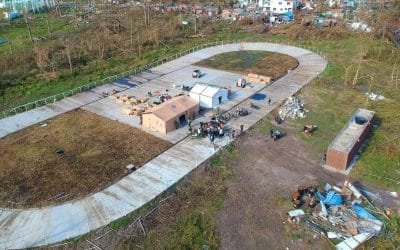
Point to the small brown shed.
(345, 146)
(171, 114)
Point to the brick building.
(347, 143)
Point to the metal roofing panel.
(210, 91)
(198, 88)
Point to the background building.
(277, 6)
(26, 5)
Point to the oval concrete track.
(49, 225)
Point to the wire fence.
(54, 98)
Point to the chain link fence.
(52, 99)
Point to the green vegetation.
(265, 63)
(389, 241)
(194, 226)
(97, 49)
(120, 223)
(16, 31)
(331, 102)
(334, 96)
(331, 99)
(193, 209)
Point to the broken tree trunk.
(28, 26)
(48, 26)
(69, 56)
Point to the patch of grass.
(120, 223)
(332, 102)
(17, 31)
(264, 127)
(215, 161)
(75, 154)
(389, 239)
(194, 230)
(266, 63)
(189, 222)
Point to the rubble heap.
(375, 97)
(293, 108)
(343, 214)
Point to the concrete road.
(48, 225)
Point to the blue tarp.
(320, 196)
(289, 15)
(2, 41)
(14, 15)
(332, 198)
(362, 212)
(258, 97)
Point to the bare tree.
(370, 79)
(49, 31)
(139, 43)
(131, 32)
(68, 52)
(360, 60)
(28, 26)
(346, 73)
(146, 12)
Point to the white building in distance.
(277, 6)
(273, 6)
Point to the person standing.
(269, 101)
(221, 132)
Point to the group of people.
(211, 129)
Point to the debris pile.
(375, 97)
(293, 108)
(344, 215)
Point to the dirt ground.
(265, 63)
(73, 155)
(266, 173)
